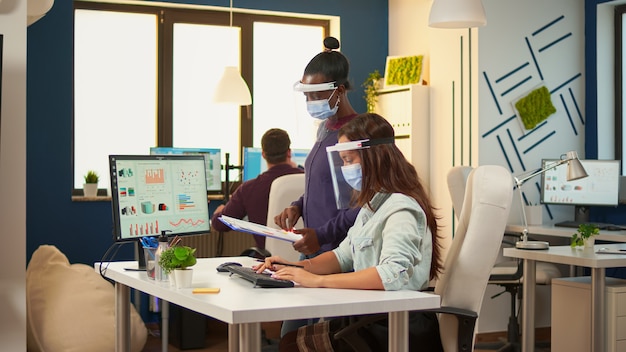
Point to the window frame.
(168, 16)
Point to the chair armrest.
(466, 324)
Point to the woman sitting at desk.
(393, 244)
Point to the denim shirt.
(395, 239)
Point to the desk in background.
(566, 255)
(556, 231)
(244, 307)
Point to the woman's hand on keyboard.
(269, 264)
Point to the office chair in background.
(462, 285)
(284, 190)
(506, 272)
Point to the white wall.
(13, 176)
(466, 111)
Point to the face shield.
(317, 99)
(345, 168)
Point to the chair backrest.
(475, 246)
(457, 179)
(284, 190)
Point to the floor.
(217, 339)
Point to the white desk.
(245, 307)
(566, 255)
(556, 231)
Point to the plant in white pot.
(584, 237)
(90, 187)
(178, 259)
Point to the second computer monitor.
(212, 162)
(254, 164)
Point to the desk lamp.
(575, 171)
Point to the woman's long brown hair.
(385, 169)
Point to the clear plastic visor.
(318, 87)
(343, 191)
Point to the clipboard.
(257, 229)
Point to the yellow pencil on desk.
(206, 290)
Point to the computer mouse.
(222, 267)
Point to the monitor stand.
(141, 256)
(581, 214)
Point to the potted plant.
(584, 235)
(178, 259)
(371, 85)
(90, 187)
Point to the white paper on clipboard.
(257, 229)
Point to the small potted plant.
(178, 259)
(584, 236)
(90, 187)
(371, 85)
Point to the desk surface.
(239, 302)
(586, 257)
(556, 231)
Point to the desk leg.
(233, 337)
(165, 325)
(528, 306)
(250, 337)
(399, 331)
(122, 317)
(597, 309)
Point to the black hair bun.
(331, 43)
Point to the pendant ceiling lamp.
(36, 9)
(457, 14)
(231, 88)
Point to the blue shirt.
(395, 239)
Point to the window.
(144, 76)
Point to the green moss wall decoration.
(403, 70)
(535, 107)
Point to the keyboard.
(575, 224)
(259, 280)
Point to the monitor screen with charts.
(254, 164)
(212, 159)
(155, 193)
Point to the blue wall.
(82, 230)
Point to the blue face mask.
(353, 175)
(320, 109)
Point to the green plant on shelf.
(584, 232)
(371, 85)
(91, 177)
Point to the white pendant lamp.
(231, 88)
(457, 14)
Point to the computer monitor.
(212, 160)
(600, 188)
(155, 193)
(254, 164)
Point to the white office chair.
(506, 272)
(463, 283)
(283, 191)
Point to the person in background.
(393, 245)
(251, 198)
(325, 85)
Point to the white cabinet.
(571, 314)
(407, 108)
